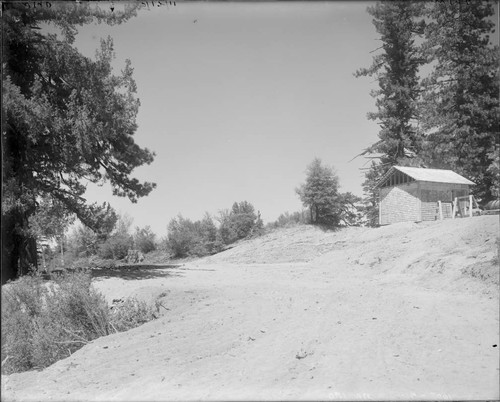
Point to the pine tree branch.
(373, 51)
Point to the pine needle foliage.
(67, 118)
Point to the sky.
(238, 98)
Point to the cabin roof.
(424, 174)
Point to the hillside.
(457, 249)
(407, 311)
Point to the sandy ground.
(408, 311)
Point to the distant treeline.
(84, 247)
(187, 238)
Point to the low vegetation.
(114, 241)
(288, 219)
(43, 322)
(199, 238)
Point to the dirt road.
(403, 312)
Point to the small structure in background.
(492, 207)
(419, 194)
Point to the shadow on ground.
(138, 272)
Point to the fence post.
(470, 206)
(440, 206)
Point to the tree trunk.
(28, 257)
(44, 264)
(10, 246)
(62, 251)
(19, 253)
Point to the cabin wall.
(400, 203)
(418, 201)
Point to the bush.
(239, 223)
(43, 322)
(288, 219)
(20, 307)
(187, 238)
(182, 237)
(131, 313)
(84, 263)
(116, 247)
(145, 239)
(83, 242)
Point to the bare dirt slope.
(408, 311)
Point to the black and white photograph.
(250, 200)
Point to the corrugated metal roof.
(432, 175)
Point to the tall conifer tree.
(396, 69)
(461, 102)
(67, 118)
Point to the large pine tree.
(396, 69)
(67, 118)
(461, 102)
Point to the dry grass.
(43, 322)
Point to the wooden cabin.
(419, 194)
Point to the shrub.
(43, 322)
(187, 238)
(131, 313)
(182, 236)
(295, 218)
(21, 304)
(240, 222)
(145, 239)
(227, 232)
(116, 246)
(83, 263)
(83, 242)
